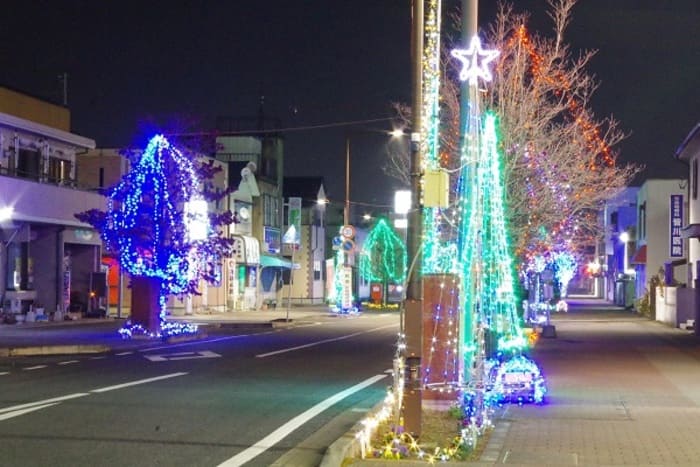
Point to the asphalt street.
(250, 396)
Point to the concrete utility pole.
(470, 27)
(468, 100)
(414, 288)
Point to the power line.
(288, 129)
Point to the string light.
(383, 255)
(475, 61)
(146, 227)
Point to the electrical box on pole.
(436, 188)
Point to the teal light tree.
(158, 226)
(489, 321)
(383, 257)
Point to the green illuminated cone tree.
(383, 257)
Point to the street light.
(6, 213)
(625, 238)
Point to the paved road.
(255, 397)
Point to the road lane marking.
(43, 402)
(68, 362)
(283, 431)
(182, 356)
(97, 358)
(17, 413)
(135, 383)
(21, 409)
(3, 373)
(204, 341)
(36, 367)
(124, 353)
(325, 341)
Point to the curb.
(53, 350)
(347, 446)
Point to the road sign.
(294, 218)
(347, 231)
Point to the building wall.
(34, 109)
(111, 164)
(656, 236)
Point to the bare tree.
(559, 163)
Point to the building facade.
(49, 261)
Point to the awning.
(640, 256)
(271, 261)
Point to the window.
(19, 267)
(270, 210)
(694, 177)
(59, 170)
(642, 228)
(28, 164)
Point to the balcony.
(46, 203)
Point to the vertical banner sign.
(294, 218)
(676, 222)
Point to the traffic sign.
(347, 231)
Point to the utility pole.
(468, 101)
(413, 305)
(63, 77)
(470, 13)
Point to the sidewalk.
(622, 390)
(94, 335)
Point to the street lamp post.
(346, 209)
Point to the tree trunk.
(145, 304)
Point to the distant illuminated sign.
(676, 223)
(197, 219)
(402, 201)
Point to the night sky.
(321, 62)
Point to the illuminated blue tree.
(158, 227)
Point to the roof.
(690, 145)
(306, 188)
(46, 131)
(640, 256)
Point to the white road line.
(45, 401)
(124, 353)
(97, 358)
(36, 367)
(17, 413)
(135, 383)
(68, 362)
(203, 341)
(283, 431)
(3, 373)
(290, 349)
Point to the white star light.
(475, 61)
